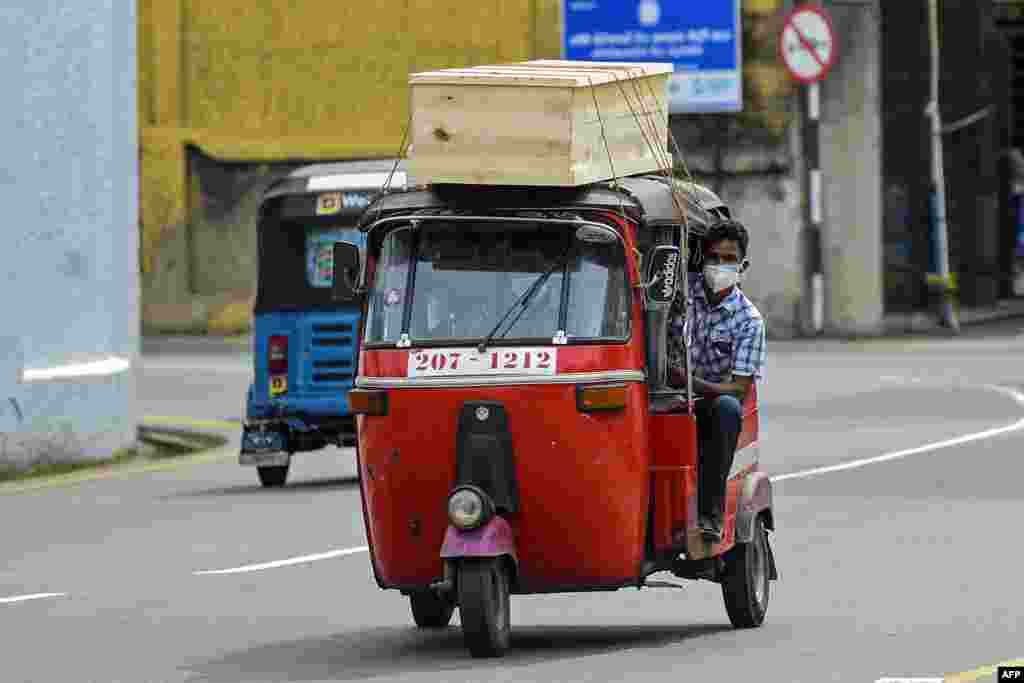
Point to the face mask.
(721, 277)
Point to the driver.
(726, 335)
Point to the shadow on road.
(402, 650)
(325, 484)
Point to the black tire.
(273, 476)
(483, 586)
(430, 610)
(745, 584)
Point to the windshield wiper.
(524, 299)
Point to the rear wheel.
(273, 476)
(430, 610)
(745, 580)
(483, 586)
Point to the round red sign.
(807, 44)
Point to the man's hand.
(738, 386)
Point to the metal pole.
(948, 313)
(815, 214)
(814, 275)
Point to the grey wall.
(759, 178)
(68, 184)
(851, 162)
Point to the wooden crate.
(537, 123)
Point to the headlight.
(469, 507)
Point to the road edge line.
(938, 445)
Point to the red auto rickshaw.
(516, 432)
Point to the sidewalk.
(155, 345)
(915, 323)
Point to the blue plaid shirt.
(726, 339)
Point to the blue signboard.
(700, 38)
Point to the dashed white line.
(302, 559)
(26, 598)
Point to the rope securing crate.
(543, 122)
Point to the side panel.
(453, 133)
(583, 479)
(674, 477)
(627, 122)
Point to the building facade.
(236, 93)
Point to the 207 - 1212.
(469, 361)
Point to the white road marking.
(97, 368)
(303, 559)
(967, 438)
(26, 598)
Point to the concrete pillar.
(68, 185)
(851, 162)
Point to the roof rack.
(646, 198)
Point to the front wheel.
(273, 476)
(483, 586)
(430, 610)
(745, 580)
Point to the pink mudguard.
(493, 539)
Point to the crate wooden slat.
(536, 123)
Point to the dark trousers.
(719, 421)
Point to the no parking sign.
(807, 45)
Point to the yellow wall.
(252, 80)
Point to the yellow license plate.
(278, 385)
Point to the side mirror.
(346, 272)
(662, 275)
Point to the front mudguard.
(493, 539)
(756, 500)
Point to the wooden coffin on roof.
(544, 122)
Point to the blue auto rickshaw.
(305, 343)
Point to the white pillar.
(68, 184)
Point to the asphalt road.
(907, 565)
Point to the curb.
(211, 441)
(922, 323)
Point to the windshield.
(468, 276)
(320, 243)
(296, 263)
